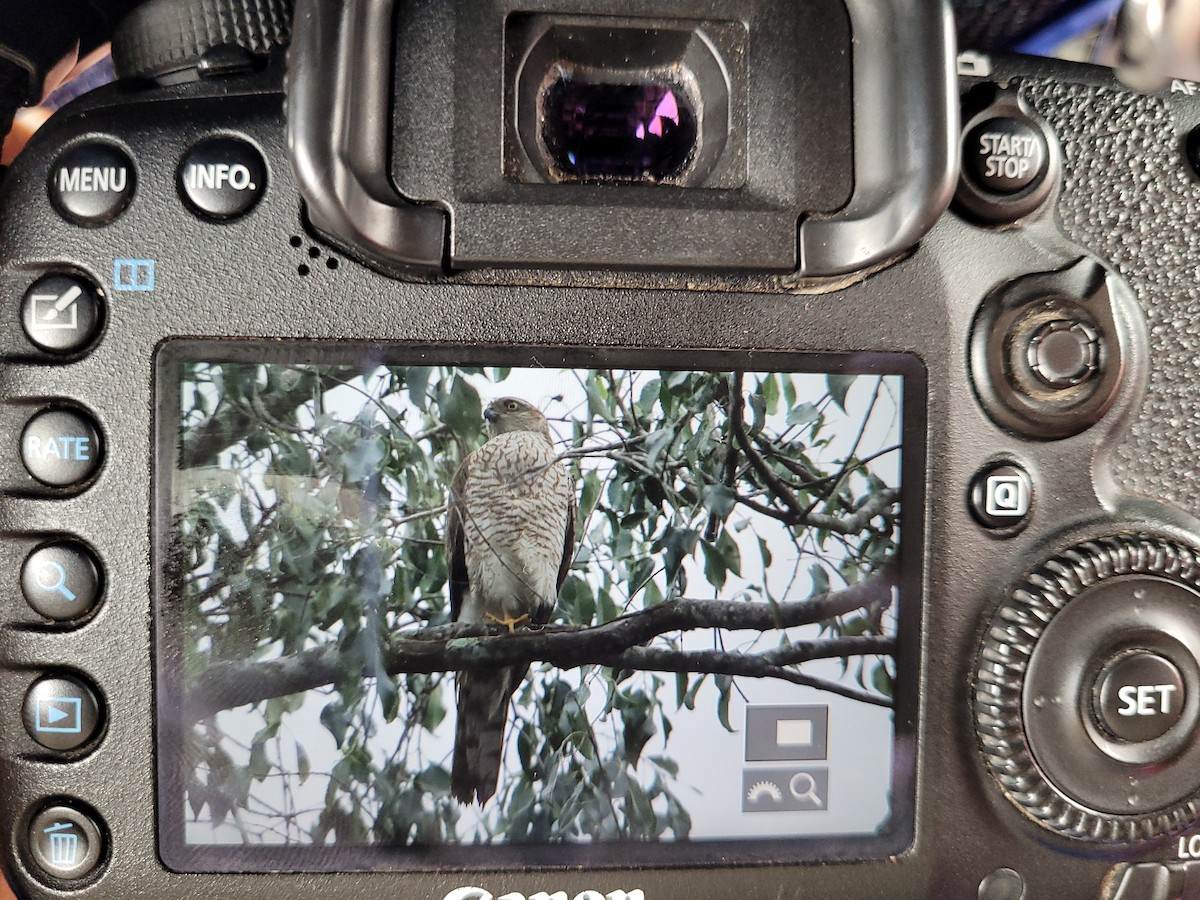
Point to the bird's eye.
(512, 405)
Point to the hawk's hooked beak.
(490, 414)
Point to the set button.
(62, 581)
(1140, 696)
(61, 713)
(61, 447)
(92, 183)
(65, 843)
(61, 313)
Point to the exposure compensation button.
(61, 447)
(222, 178)
(65, 843)
(92, 183)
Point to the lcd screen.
(424, 607)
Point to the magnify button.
(62, 581)
(804, 787)
(51, 576)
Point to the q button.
(62, 582)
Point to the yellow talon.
(511, 624)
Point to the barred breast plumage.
(509, 539)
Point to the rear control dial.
(1086, 693)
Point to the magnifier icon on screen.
(804, 787)
(51, 576)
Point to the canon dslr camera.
(601, 449)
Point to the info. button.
(222, 178)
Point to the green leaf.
(820, 579)
(719, 500)
(801, 415)
(434, 780)
(666, 764)
(838, 386)
(303, 763)
(434, 712)
(724, 685)
(770, 393)
(462, 409)
(418, 386)
(881, 679)
(260, 766)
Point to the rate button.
(61, 447)
(1139, 696)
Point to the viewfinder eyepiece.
(598, 131)
(595, 100)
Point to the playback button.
(61, 713)
(61, 314)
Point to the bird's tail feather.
(483, 699)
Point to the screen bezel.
(894, 839)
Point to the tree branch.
(617, 643)
(877, 505)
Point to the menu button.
(92, 183)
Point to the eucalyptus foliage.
(309, 510)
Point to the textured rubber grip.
(997, 24)
(166, 36)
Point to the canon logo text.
(474, 893)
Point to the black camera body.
(881, 573)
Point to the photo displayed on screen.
(467, 611)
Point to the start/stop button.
(1010, 162)
(1005, 155)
